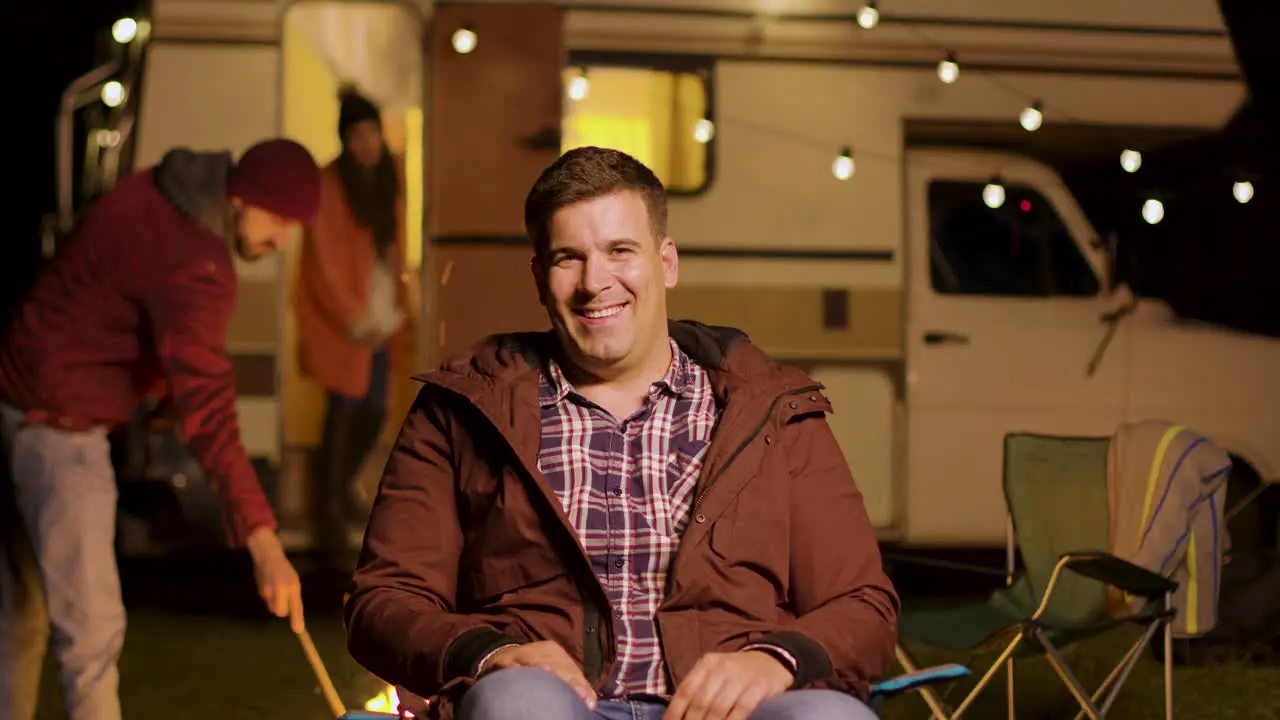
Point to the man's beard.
(245, 249)
(240, 244)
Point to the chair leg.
(1168, 659)
(986, 678)
(1009, 702)
(1116, 679)
(1010, 558)
(931, 698)
(1059, 665)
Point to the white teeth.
(603, 312)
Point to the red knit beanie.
(278, 176)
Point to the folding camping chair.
(879, 692)
(1056, 493)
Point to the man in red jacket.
(141, 291)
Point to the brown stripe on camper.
(811, 323)
(255, 374)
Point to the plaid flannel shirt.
(627, 487)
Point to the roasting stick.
(317, 666)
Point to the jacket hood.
(196, 184)
(502, 363)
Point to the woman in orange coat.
(351, 302)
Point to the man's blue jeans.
(58, 569)
(534, 694)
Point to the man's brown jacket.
(468, 547)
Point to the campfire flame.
(387, 701)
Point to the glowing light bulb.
(843, 166)
(993, 194)
(868, 16)
(949, 69)
(465, 40)
(1152, 211)
(1131, 160)
(124, 30)
(1242, 191)
(704, 130)
(579, 87)
(113, 94)
(1031, 117)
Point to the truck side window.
(1021, 248)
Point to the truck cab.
(1014, 325)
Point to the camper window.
(652, 114)
(1021, 248)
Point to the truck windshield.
(1020, 248)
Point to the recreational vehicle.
(846, 187)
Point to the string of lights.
(843, 167)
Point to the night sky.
(53, 43)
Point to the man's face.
(364, 141)
(257, 232)
(604, 281)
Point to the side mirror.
(1110, 246)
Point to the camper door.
(1005, 304)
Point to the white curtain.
(377, 46)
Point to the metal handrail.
(75, 97)
(80, 93)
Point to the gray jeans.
(58, 575)
(525, 693)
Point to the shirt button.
(793, 404)
(700, 518)
(619, 562)
(617, 490)
(618, 613)
(591, 629)
(768, 439)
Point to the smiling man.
(624, 517)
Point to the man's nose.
(596, 275)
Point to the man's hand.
(278, 582)
(550, 657)
(728, 686)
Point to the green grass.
(1238, 692)
(200, 666)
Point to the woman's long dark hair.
(372, 196)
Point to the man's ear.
(670, 262)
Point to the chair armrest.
(920, 678)
(1109, 569)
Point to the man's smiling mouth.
(600, 313)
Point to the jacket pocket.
(497, 576)
(754, 533)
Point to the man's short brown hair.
(587, 173)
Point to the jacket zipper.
(697, 502)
